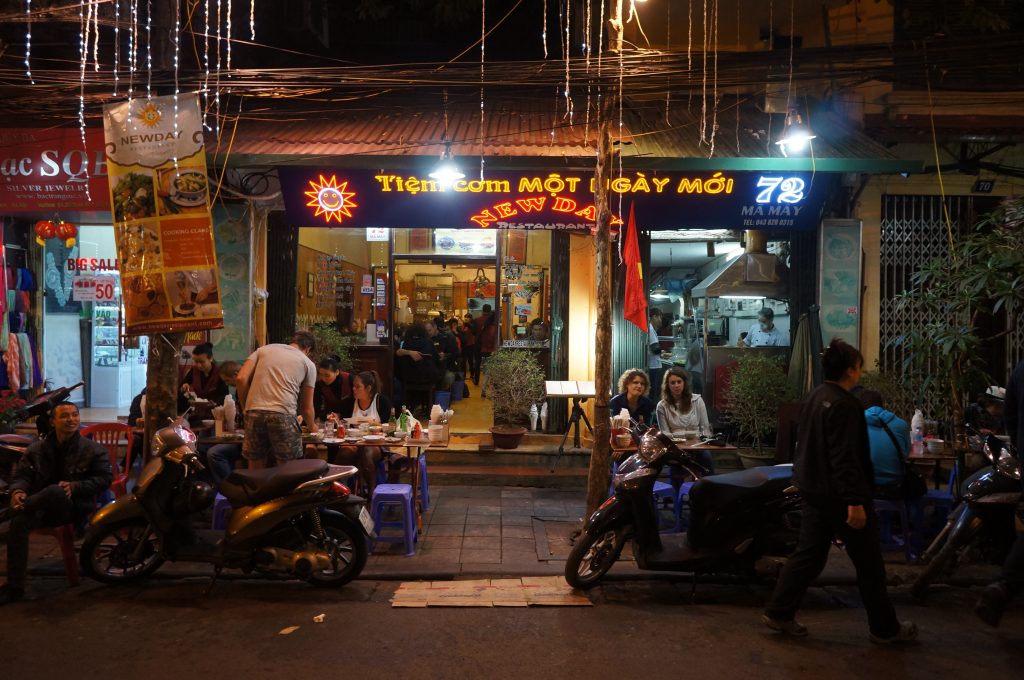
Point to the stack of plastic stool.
(394, 496)
(885, 508)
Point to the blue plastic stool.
(885, 509)
(683, 500)
(221, 510)
(443, 398)
(399, 496)
(424, 486)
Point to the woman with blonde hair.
(633, 387)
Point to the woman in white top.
(680, 409)
(365, 403)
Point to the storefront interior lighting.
(446, 172)
(742, 297)
(796, 136)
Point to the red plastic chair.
(111, 435)
(65, 536)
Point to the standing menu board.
(159, 197)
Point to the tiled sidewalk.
(478, 529)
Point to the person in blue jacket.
(888, 451)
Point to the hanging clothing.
(13, 361)
(25, 363)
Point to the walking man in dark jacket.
(997, 594)
(56, 482)
(832, 469)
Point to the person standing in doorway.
(832, 469)
(654, 369)
(487, 340)
(274, 384)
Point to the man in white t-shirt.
(764, 333)
(654, 353)
(275, 383)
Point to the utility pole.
(600, 457)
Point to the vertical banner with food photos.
(159, 198)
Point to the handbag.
(913, 484)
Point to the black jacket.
(383, 407)
(833, 454)
(79, 460)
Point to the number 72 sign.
(94, 289)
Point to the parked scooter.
(983, 519)
(296, 520)
(735, 519)
(14, 446)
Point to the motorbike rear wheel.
(592, 557)
(346, 546)
(108, 555)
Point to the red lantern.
(45, 229)
(66, 231)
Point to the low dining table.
(935, 460)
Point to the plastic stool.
(443, 398)
(885, 508)
(221, 510)
(424, 486)
(65, 535)
(400, 496)
(457, 389)
(682, 500)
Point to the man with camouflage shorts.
(275, 383)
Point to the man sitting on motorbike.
(56, 482)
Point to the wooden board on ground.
(511, 592)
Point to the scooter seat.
(252, 487)
(715, 492)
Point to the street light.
(447, 172)
(796, 136)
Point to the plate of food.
(392, 440)
(185, 309)
(374, 438)
(352, 440)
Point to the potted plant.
(332, 342)
(10, 411)
(756, 388)
(515, 381)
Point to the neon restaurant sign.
(555, 200)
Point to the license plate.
(366, 521)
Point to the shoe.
(990, 605)
(9, 593)
(790, 628)
(907, 633)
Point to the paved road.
(168, 629)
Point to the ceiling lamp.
(447, 172)
(796, 136)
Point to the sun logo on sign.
(150, 115)
(330, 198)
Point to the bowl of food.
(935, 445)
(189, 187)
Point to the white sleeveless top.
(368, 414)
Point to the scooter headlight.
(651, 447)
(1007, 464)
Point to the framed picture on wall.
(419, 240)
(516, 246)
(310, 285)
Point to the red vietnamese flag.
(635, 307)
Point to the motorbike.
(296, 520)
(984, 519)
(14, 446)
(736, 518)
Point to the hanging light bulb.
(447, 172)
(796, 136)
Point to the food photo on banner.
(159, 197)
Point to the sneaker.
(990, 605)
(9, 593)
(790, 628)
(907, 633)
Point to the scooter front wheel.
(346, 550)
(122, 552)
(592, 557)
